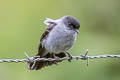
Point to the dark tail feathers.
(40, 64)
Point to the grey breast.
(59, 40)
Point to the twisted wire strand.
(81, 57)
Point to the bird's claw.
(56, 59)
(69, 57)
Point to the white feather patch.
(48, 21)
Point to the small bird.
(57, 39)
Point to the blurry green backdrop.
(21, 25)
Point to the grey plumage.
(58, 38)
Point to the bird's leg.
(56, 58)
(69, 56)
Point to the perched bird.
(57, 39)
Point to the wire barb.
(85, 57)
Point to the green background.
(21, 25)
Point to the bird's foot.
(56, 59)
(70, 57)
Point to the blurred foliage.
(21, 25)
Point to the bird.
(55, 42)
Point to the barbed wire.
(81, 57)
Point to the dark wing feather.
(41, 51)
(41, 48)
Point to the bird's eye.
(72, 25)
(69, 23)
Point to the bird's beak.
(78, 32)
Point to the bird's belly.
(60, 42)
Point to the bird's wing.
(44, 36)
(41, 51)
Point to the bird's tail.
(40, 64)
